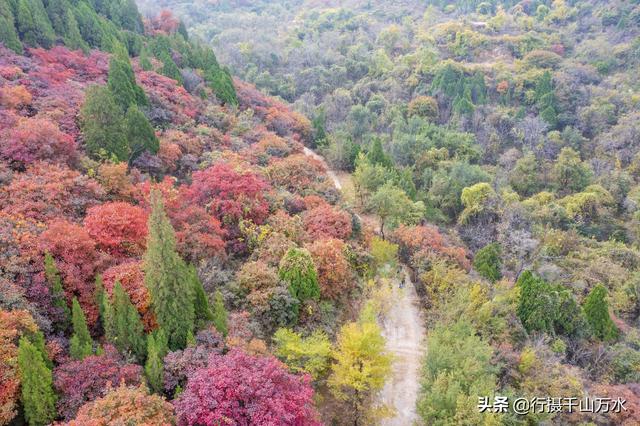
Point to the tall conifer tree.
(81, 344)
(38, 397)
(167, 277)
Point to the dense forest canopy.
(163, 221)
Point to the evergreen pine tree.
(145, 62)
(139, 133)
(201, 306)
(298, 270)
(221, 83)
(153, 368)
(376, 154)
(33, 24)
(125, 329)
(81, 344)
(8, 33)
(219, 314)
(120, 82)
(72, 37)
(88, 24)
(488, 263)
(165, 277)
(102, 126)
(596, 310)
(99, 295)
(169, 68)
(191, 340)
(25, 24)
(38, 397)
(57, 293)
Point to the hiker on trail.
(402, 281)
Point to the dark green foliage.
(81, 344)
(38, 397)
(57, 293)
(139, 133)
(547, 308)
(546, 100)
(89, 24)
(101, 122)
(169, 67)
(203, 312)
(122, 324)
(165, 278)
(221, 83)
(488, 263)
(376, 154)
(145, 62)
(122, 83)
(299, 272)
(219, 314)
(596, 310)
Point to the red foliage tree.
(77, 260)
(119, 228)
(36, 139)
(131, 277)
(199, 234)
(49, 191)
(246, 390)
(326, 221)
(333, 268)
(78, 382)
(297, 173)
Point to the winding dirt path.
(404, 332)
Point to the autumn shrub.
(78, 382)
(119, 228)
(124, 405)
(246, 390)
(326, 221)
(334, 273)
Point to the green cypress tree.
(169, 67)
(191, 340)
(102, 125)
(81, 344)
(201, 306)
(376, 154)
(596, 310)
(298, 270)
(487, 262)
(220, 314)
(38, 397)
(536, 304)
(120, 84)
(88, 24)
(99, 294)
(25, 24)
(221, 83)
(145, 62)
(8, 33)
(125, 329)
(57, 293)
(153, 367)
(72, 38)
(165, 277)
(140, 134)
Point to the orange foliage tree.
(333, 268)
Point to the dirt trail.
(404, 331)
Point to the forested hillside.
(172, 253)
(497, 143)
(169, 255)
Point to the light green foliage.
(153, 367)
(524, 178)
(596, 309)
(203, 312)
(392, 205)
(476, 200)
(570, 173)
(165, 277)
(456, 370)
(33, 25)
(122, 323)
(303, 354)
(169, 68)
(383, 252)
(38, 397)
(57, 293)
(488, 263)
(81, 344)
(8, 33)
(298, 270)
